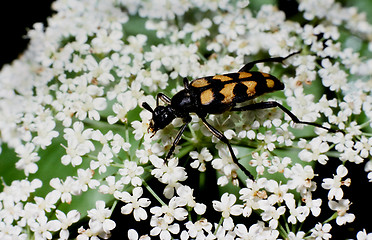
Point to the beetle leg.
(178, 137)
(250, 65)
(162, 97)
(272, 104)
(222, 137)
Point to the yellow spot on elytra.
(198, 83)
(244, 75)
(228, 92)
(270, 83)
(206, 97)
(265, 75)
(223, 78)
(251, 87)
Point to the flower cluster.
(79, 87)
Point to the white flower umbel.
(73, 126)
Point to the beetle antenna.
(147, 107)
(186, 82)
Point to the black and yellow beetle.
(215, 95)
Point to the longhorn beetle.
(215, 95)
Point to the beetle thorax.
(183, 103)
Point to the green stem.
(334, 216)
(153, 193)
(219, 225)
(282, 232)
(113, 206)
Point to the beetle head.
(162, 116)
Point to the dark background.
(15, 18)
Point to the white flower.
(89, 107)
(171, 211)
(42, 228)
(201, 229)
(96, 229)
(112, 186)
(300, 178)
(125, 103)
(278, 191)
(341, 207)
(134, 204)
(325, 105)
(320, 231)
(100, 216)
(351, 155)
(153, 79)
(260, 162)
(368, 168)
(104, 159)
(318, 149)
(224, 164)
(20, 190)
(364, 146)
(66, 221)
(227, 207)
(27, 158)
(119, 143)
(334, 185)
(65, 188)
(170, 174)
(85, 179)
(186, 197)
(163, 229)
(48, 203)
(45, 133)
(80, 135)
(300, 235)
(252, 194)
(256, 231)
(303, 106)
(343, 141)
(140, 128)
(103, 139)
(198, 31)
(313, 205)
(340, 118)
(297, 213)
(230, 26)
(284, 136)
(268, 140)
(271, 214)
(362, 235)
(100, 70)
(131, 173)
(133, 235)
(74, 153)
(106, 42)
(278, 165)
(200, 159)
(332, 76)
(12, 211)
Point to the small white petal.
(200, 208)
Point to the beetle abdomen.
(219, 93)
